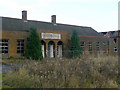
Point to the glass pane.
(18, 51)
(22, 51)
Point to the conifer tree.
(34, 45)
(75, 49)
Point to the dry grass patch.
(84, 72)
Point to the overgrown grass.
(84, 72)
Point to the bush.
(11, 58)
(91, 72)
(3, 74)
(34, 46)
(6, 87)
(75, 49)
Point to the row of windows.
(4, 46)
(20, 46)
(82, 44)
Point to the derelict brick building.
(114, 41)
(54, 37)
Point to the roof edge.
(49, 22)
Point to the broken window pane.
(3, 46)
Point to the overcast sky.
(101, 15)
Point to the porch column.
(43, 51)
(59, 50)
(56, 52)
(51, 51)
(46, 49)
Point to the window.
(90, 46)
(115, 49)
(115, 40)
(104, 47)
(20, 46)
(97, 46)
(82, 45)
(3, 46)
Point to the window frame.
(98, 46)
(116, 49)
(82, 45)
(3, 49)
(115, 42)
(90, 46)
(20, 46)
(104, 47)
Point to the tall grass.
(84, 72)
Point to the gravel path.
(8, 67)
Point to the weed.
(84, 72)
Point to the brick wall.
(14, 35)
